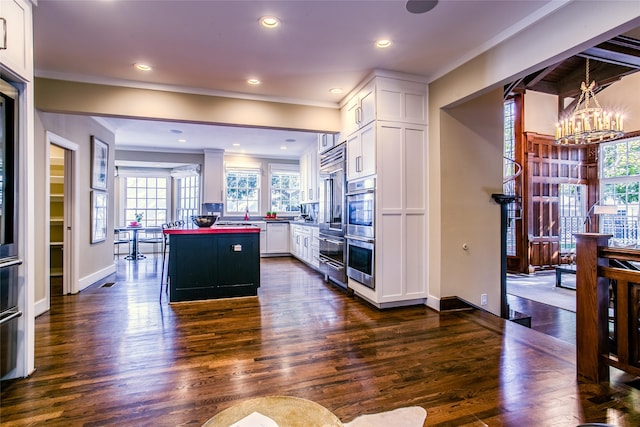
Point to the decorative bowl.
(204, 220)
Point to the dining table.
(135, 254)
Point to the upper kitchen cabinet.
(388, 99)
(401, 101)
(361, 153)
(326, 141)
(16, 37)
(360, 110)
(309, 167)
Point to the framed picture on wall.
(99, 163)
(98, 216)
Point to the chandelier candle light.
(587, 124)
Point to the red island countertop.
(215, 229)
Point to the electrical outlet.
(483, 299)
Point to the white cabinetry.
(361, 153)
(277, 238)
(393, 147)
(360, 110)
(309, 168)
(305, 244)
(326, 141)
(15, 28)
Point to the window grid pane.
(620, 186)
(146, 196)
(242, 191)
(285, 192)
(509, 169)
(188, 198)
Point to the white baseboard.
(40, 307)
(433, 302)
(94, 277)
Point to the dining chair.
(165, 246)
(121, 237)
(151, 235)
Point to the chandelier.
(588, 124)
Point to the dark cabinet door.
(238, 265)
(192, 262)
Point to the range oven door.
(332, 257)
(360, 261)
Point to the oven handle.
(358, 192)
(331, 264)
(360, 239)
(11, 262)
(11, 314)
(335, 242)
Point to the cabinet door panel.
(237, 261)
(185, 273)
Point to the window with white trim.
(285, 189)
(242, 191)
(188, 197)
(620, 187)
(147, 196)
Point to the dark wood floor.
(113, 355)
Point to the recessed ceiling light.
(236, 144)
(336, 90)
(383, 43)
(143, 67)
(283, 147)
(269, 21)
(182, 140)
(253, 82)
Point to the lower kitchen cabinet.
(305, 245)
(277, 238)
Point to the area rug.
(411, 416)
(541, 287)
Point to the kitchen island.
(220, 261)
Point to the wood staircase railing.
(607, 308)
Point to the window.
(509, 169)
(242, 191)
(573, 199)
(188, 200)
(285, 189)
(146, 196)
(620, 187)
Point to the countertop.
(215, 229)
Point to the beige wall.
(471, 161)
(516, 57)
(624, 97)
(541, 109)
(102, 100)
(93, 258)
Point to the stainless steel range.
(332, 213)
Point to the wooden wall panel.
(546, 166)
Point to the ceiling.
(608, 63)
(213, 47)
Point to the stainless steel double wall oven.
(331, 215)
(360, 235)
